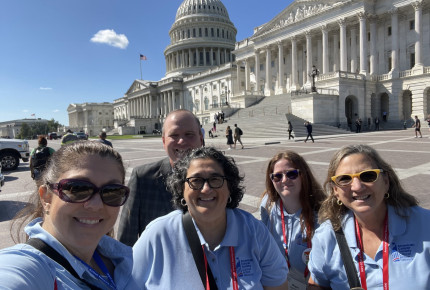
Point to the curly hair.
(399, 198)
(311, 195)
(68, 157)
(176, 180)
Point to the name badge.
(305, 255)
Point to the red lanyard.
(232, 267)
(281, 208)
(385, 252)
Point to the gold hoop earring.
(339, 203)
(387, 195)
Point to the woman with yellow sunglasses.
(381, 226)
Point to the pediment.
(298, 11)
(137, 85)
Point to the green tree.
(25, 131)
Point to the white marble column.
(166, 110)
(363, 43)
(373, 46)
(325, 50)
(353, 49)
(280, 67)
(211, 58)
(336, 57)
(150, 106)
(218, 57)
(239, 77)
(418, 6)
(343, 51)
(308, 58)
(268, 83)
(225, 55)
(204, 56)
(257, 71)
(247, 87)
(294, 76)
(394, 40)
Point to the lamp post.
(313, 74)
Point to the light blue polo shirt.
(409, 259)
(24, 267)
(295, 240)
(163, 258)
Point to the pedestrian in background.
(237, 135)
(308, 126)
(102, 139)
(290, 130)
(39, 156)
(229, 136)
(417, 126)
(70, 137)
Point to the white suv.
(11, 151)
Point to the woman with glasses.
(232, 249)
(76, 204)
(289, 209)
(382, 227)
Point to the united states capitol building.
(329, 61)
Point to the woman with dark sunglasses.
(384, 230)
(234, 249)
(73, 210)
(289, 209)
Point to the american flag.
(33, 115)
(142, 57)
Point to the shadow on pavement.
(10, 209)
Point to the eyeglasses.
(370, 175)
(79, 191)
(197, 183)
(291, 174)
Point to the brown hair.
(399, 198)
(42, 141)
(311, 195)
(68, 157)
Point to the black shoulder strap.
(57, 257)
(196, 249)
(351, 272)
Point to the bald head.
(181, 132)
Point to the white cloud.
(45, 89)
(25, 111)
(56, 111)
(109, 36)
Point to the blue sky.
(57, 52)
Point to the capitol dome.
(201, 37)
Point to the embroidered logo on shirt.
(243, 267)
(402, 253)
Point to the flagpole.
(140, 68)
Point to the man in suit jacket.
(149, 197)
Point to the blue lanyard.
(102, 267)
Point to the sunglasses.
(292, 174)
(370, 175)
(79, 191)
(197, 183)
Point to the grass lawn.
(124, 137)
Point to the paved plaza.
(408, 155)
